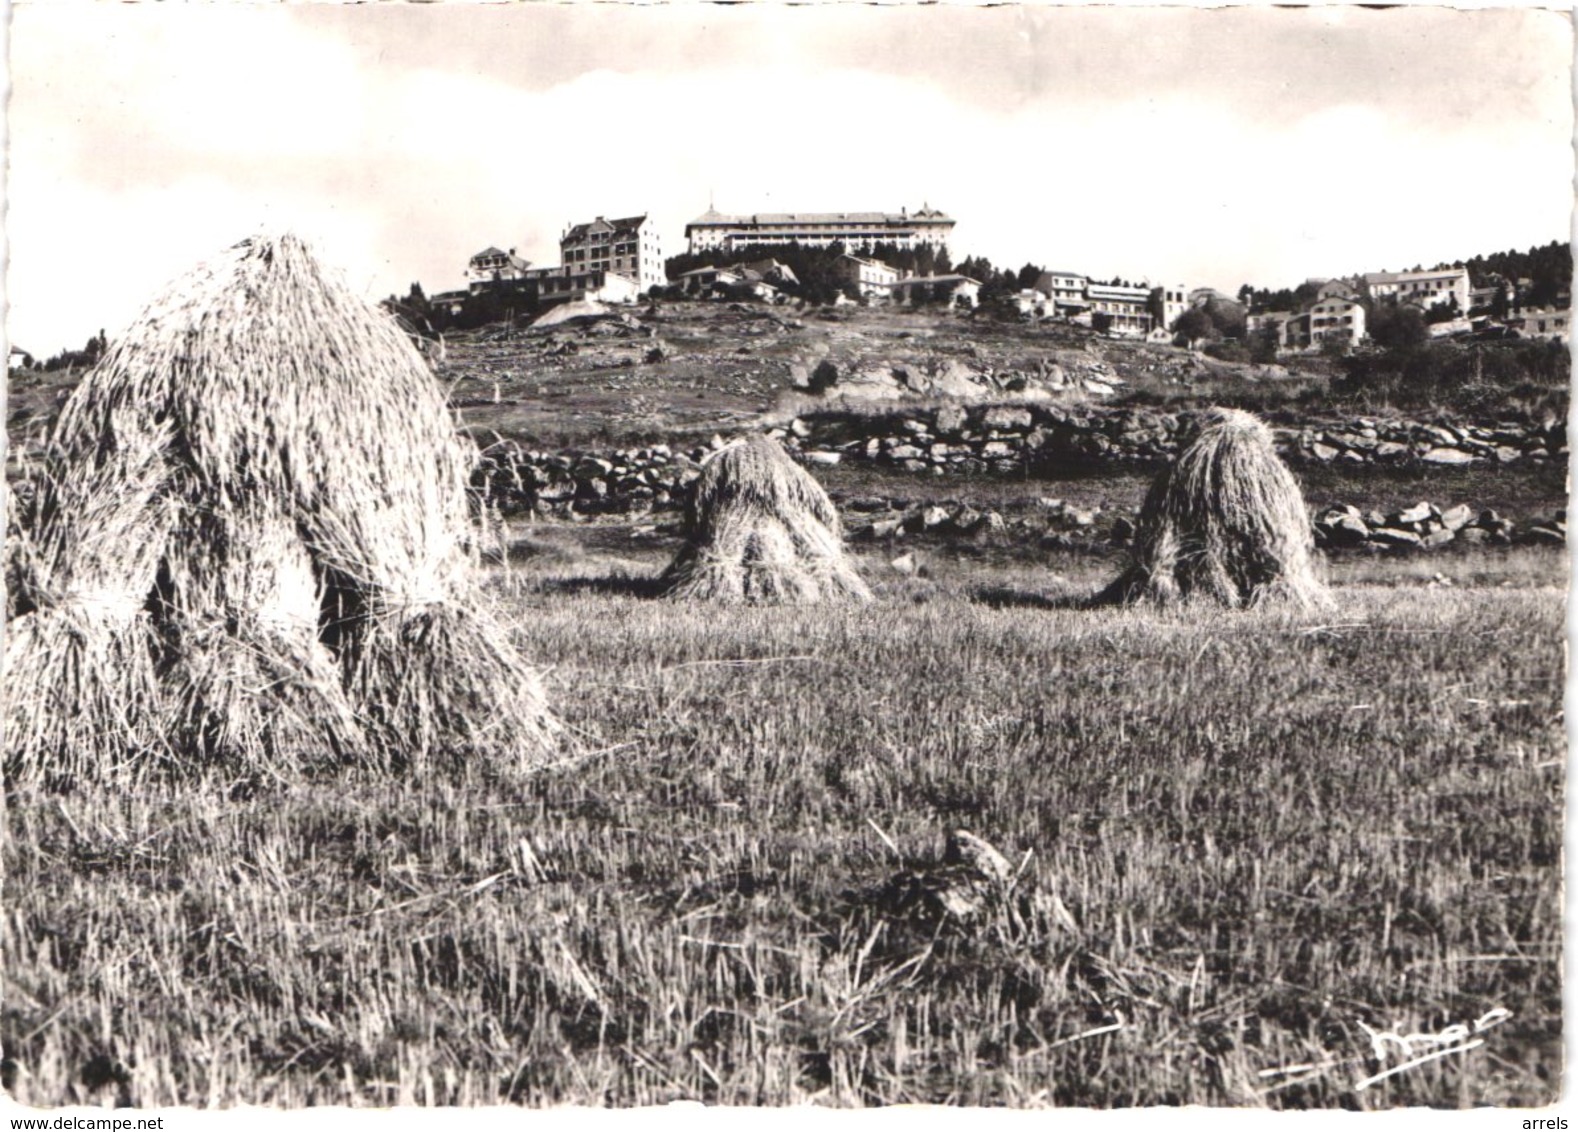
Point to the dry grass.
(1266, 829)
(761, 529)
(1225, 522)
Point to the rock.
(1122, 530)
(968, 519)
(907, 564)
(1079, 517)
(1447, 456)
(823, 459)
(799, 428)
(1325, 453)
(1418, 513)
(905, 452)
(1390, 450)
(799, 376)
(887, 528)
(948, 419)
(1392, 537)
(1343, 529)
(1439, 537)
(1457, 517)
(993, 521)
(996, 449)
(1506, 455)
(1005, 418)
(1099, 388)
(1543, 535)
(1473, 535)
(934, 517)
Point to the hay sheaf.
(81, 689)
(256, 524)
(1225, 523)
(761, 529)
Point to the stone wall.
(1010, 438)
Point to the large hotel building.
(714, 231)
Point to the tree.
(1397, 328)
(1028, 274)
(1195, 325)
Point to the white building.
(1066, 289)
(870, 277)
(713, 230)
(1427, 288)
(952, 290)
(1336, 318)
(1544, 323)
(627, 246)
(491, 265)
(1174, 301)
(1127, 310)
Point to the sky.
(1193, 146)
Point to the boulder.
(1456, 518)
(1445, 455)
(1007, 418)
(1390, 537)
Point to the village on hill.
(902, 259)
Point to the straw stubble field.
(1239, 839)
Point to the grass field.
(1241, 839)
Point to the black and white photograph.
(605, 555)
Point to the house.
(1125, 309)
(1029, 301)
(1065, 289)
(1427, 288)
(1549, 323)
(769, 271)
(627, 246)
(954, 290)
(1338, 318)
(713, 230)
(1172, 301)
(1336, 289)
(491, 266)
(1260, 321)
(552, 285)
(702, 280)
(451, 301)
(870, 277)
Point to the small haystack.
(760, 528)
(1225, 522)
(290, 550)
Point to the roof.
(905, 282)
(759, 219)
(489, 251)
(1070, 274)
(1373, 277)
(623, 224)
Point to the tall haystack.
(761, 529)
(1226, 522)
(303, 560)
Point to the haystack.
(303, 549)
(1226, 522)
(760, 528)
